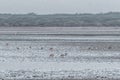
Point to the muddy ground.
(34, 55)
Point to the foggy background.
(59, 6)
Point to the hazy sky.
(58, 6)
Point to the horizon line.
(34, 13)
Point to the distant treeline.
(32, 19)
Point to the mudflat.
(59, 53)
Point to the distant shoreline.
(61, 20)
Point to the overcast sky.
(59, 6)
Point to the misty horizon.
(58, 6)
(33, 13)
